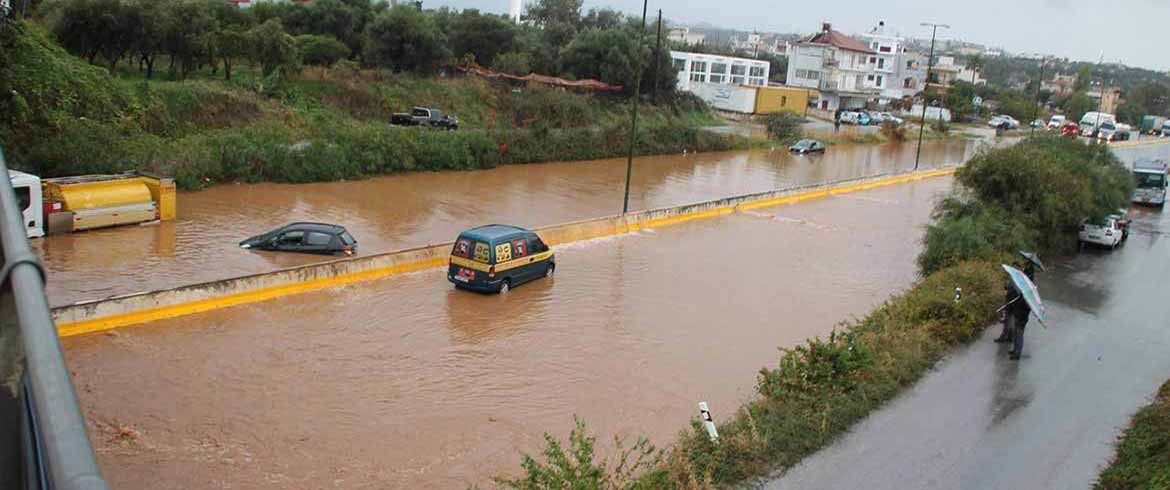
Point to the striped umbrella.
(1029, 292)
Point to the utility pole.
(926, 86)
(657, 57)
(1039, 82)
(634, 116)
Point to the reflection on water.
(408, 210)
(408, 383)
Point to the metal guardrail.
(43, 442)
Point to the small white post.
(708, 422)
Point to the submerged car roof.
(321, 227)
(491, 233)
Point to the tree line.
(556, 38)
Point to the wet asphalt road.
(981, 421)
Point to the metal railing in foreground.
(43, 442)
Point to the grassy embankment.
(62, 116)
(1028, 196)
(1143, 453)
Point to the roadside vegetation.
(278, 93)
(1028, 196)
(1143, 453)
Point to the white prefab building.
(710, 68)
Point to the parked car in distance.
(1070, 129)
(1004, 121)
(425, 116)
(315, 238)
(876, 118)
(807, 146)
(864, 119)
(850, 117)
(888, 117)
(1113, 131)
(1057, 122)
(1108, 233)
(496, 258)
(1037, 124)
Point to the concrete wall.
(98, 315)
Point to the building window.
(698, 77)
(869, 78)
(759, 82)
(884, 49)
(860, 82)
(720, 68)
(808, 74)
(878, 84)
(872, 59)
(717, 78)
(738, 69)
(757, 71)
(699, 66)
(909, 64)
(881, 63)
(908, 83)
(736, 80)
(680, 64)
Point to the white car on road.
(1108, 233)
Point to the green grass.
(67, 117)
(1143, 453)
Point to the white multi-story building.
(711, 68)
(838, 66)
(894, 71)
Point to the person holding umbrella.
(1012, 296)
(1025, 303)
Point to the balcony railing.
(828, 85)
(43, 444)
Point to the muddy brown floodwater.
(400, 211)
(407, 383)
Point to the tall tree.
(272, 48)
(405, 38)
(545, 12)
(484, 36)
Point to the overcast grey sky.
(1133, 32)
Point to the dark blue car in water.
(496, 258)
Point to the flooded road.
(407, 383)
(980, 421)
(407, 210)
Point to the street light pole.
(657, 58)
(1039, 82)
(926, 86)
(634, 116)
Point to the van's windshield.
(1150, 181)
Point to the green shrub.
(1143, 453)
(966, 229)
(783, 127)
(637, 467)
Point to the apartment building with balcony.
(839, 67)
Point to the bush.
(638, 466)
(966, 229)
(1143, 453)
(783, 127)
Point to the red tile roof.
(839, 40)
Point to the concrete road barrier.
(132, 309)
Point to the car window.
(318, 239)
(538, 246)
(23, 197)
(462, 248)
(292, 237)
(419, 113)
(347, 239)
(519, 248)
(503, 252)
(483, 253)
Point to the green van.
(496, 258)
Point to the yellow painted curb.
(1158, 141)
(581, 230)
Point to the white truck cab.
(28, 198)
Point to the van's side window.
(519, 248)
(503, 252)
(462, 248)
(483, 253)
(538, 246)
